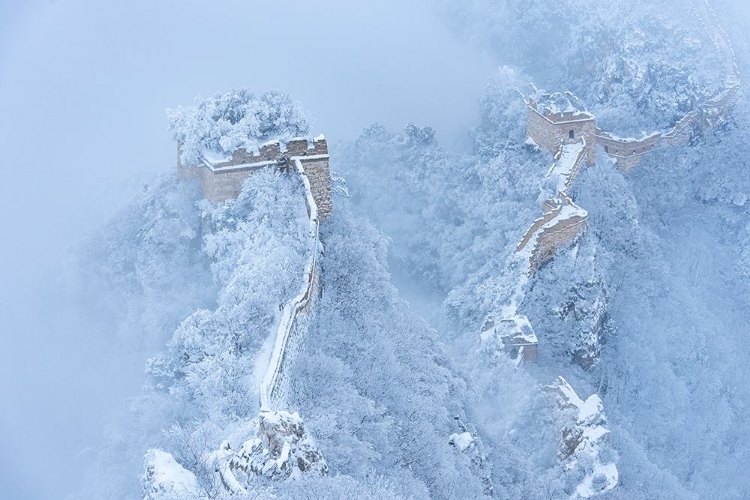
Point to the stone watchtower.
(222, 178)
(558, 119)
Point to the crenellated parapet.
(559, 119)
(222, 176)
(551, 128)
(562, 223)
(627, 152)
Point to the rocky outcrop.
(468, 443)
(281, 449)
(165, 479)
(584, 450)
(585, 307)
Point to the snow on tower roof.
(561, 103)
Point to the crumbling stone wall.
(627, 153)
(620, 148)
(549, 214)
(628, 163)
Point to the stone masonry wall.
(224, 186)
(620, 148)
(549, 135)
(283, 384)
(555, 238)
(629, 163)
(320, 184)
(538, 223)
(224, 180)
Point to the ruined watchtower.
(222, 177)
(558, 119)
(514, 335)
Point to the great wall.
(222, 179)
(551, 126)
(291, 328)
(557, 123)
(570, 133)
(560, 124)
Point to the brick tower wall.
(550, 132)
(223, 180)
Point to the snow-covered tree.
(235, 119)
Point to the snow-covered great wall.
(559, 124)
(291, 329)
(222, 178)
(282, 447)
(558, 119)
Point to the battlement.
(568, 116)
(627, 151)
(302, 147)
(562, 223)
(269, 152)
(551, 129)
(222, 177)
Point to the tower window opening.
(572, 134)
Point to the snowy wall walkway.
(293, 325)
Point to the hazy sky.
(83, 88)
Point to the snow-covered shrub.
(144, 271)
(235, 119)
